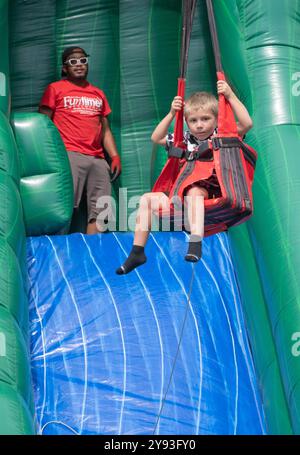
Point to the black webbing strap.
(202, 152)
(188, 11)
(248, 155)
(225, 172)
(241, 178)
(218, 142)
(230, 164)
(236, 178)
(214, 35)
(175, 152)
(231, 142)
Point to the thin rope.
(178, 347)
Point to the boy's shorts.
(91, 172)
(211, 185)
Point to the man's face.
(75, 66)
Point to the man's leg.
(92, 227)
(79, 169)
(98, 185)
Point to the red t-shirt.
(77, 113)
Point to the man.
(79, 110)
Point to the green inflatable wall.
(44, 165)
(135, 50)
(266, 34)
(15, 384)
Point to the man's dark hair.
(69, 50)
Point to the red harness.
(233, 163)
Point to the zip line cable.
(178, 347)
(188, 11)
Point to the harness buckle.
(190, 156)
(216, 142)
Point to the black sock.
(137, 257)
(194, 252)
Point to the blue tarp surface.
(103, 346)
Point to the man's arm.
(46, 110)
(108, 139)
(110, 146)
(244, 121)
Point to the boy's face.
(201, 123)
(76, 70)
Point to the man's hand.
(115, 167)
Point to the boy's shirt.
(191, 141)
(77, 113)
(211, 184)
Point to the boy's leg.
(98, 185)
(149, 203)
(195, 206)
(137, 257)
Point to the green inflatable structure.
(135, 50)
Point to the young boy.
(201, 112)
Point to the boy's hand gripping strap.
(227, 126)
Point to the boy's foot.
(195, 249)
(137, 257)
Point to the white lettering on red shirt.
(77, 113)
